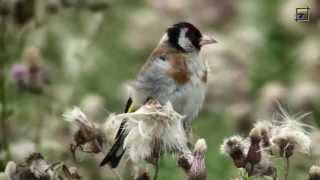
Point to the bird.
(175, 73)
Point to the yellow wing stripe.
(129, 106)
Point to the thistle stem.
(287, 167)
(156, 173)
(251, 170)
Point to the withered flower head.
(88, 134)
(314, 172)
(235, 148)
(38, 166)
(254, 152)
(290, 136)
(265, 129)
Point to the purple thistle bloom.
(198, 168)
(19, 74)
(194, 165)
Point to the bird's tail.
(117, 150)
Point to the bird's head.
(187, 38)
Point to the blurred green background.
(90, 49)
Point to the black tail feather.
(115, 154)
(117, 150)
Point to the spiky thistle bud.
(254, 152)
(197, 170)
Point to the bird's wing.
(159, 77)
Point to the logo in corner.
(302, 14)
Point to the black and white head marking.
(184, 37)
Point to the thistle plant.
(282, 137)
(153, 130)
(314, 172)
(35, 167)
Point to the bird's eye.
(162, 58)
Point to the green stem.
(286, 169)
(156, 173)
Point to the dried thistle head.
(289, 136)
(38, 166)
(34, 157)
(314, 172)
(88, 137)
(254, 152)
(235, 148)
(255, 135)
(265, 129)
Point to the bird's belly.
(188, 99)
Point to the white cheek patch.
(184, 42)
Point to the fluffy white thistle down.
(78, 117)
(289, 131)
(149, 124)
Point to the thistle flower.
(193, 164)
(38, 166)
(235, 147)
(290, 137)
(19, 73)
(314, 172)
(30, 75)
(88, 133)
(198, 170)
(254, 153)
(264, 129)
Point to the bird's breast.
(188, 98)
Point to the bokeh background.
(87, 50)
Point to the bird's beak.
(207, 40)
